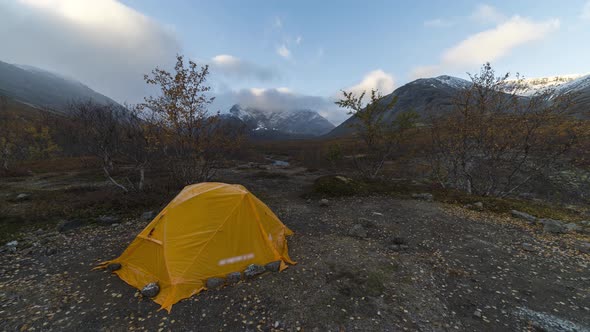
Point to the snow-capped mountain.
(532, 86)
(291, 122)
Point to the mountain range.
(43, 89)
(435, 94)
(52, 92)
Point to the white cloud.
(490, 45)
(586, 11)
(487, 14)
(438, 23)
(377, 80)
(236, 68)
(283, 51)
(102, 43)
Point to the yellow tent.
(208, 230)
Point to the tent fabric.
(208, 230)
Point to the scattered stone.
(273, 266)
(399, 240)
(233, 278)
(552, 226)
(213, 283)
(573, 227)
(358, 231)
(585, 222)
(50, 251)
(528, 247)
(523, 215)
(22, 197)
(148, 215)
(113, 267)
(424, 196)
(150, 290)
(324, 202)
(108, 220)
(377, 214)
(253, 270)
(478, 206)
(67, 225)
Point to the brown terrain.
(370, 262)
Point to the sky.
(293, 54)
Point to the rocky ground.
(363, 263)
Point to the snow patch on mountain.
(532, 86)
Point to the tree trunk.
(106, 172)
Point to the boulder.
(478, 206)
(273, 266)
(233, 278)
(527, 247)
(423, 196)
(584, 247)
(253, 270)
(213, 283)
(552, 226)
(585, 222)
(113, 267)
(324, 202)
(150, 290)
(524, 216)
(573, 227)
(108, 220)
(67, 225)
(148, 215)
(358, 231)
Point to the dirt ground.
(422, 266)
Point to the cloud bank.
(102, 43)
(489, 45)
(233, 67)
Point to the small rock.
(107, 220)
(358, 231)
(585, 222)
(368, 223)
(424, 196)
(113, 267)
(66, 225)
(213, 283)
(523, 215)
(552, 226)
(233, 278)
(253, 270)
(22, 197)
(477, 313)
(324, 202)
(273, 266)
(148, 215)
(404, 247)
(573, 227)
(528, 247)
(150, 290)
(478, 206)
(50, 251)
(399, 240)
(584, 247)
(11, 246)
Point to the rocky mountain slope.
(44, 89)
(423, 95)
(263, 122)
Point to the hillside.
(44, 89)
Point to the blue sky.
(297, 53)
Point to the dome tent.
(208, 230)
